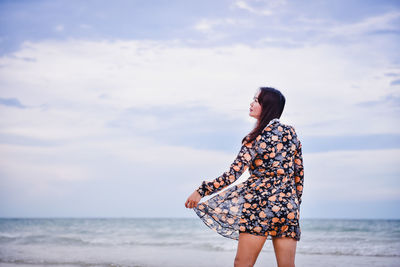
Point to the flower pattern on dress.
(268, 202)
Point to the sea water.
(186, 242)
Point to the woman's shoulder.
(291, 131)
(278, 126)
(274, 128)
(279, 130)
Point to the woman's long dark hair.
(272, 104)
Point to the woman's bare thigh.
(285, 251)
(249, 247)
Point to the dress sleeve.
(247, 153)
(298, 169)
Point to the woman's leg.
(285, 251)
(248, 249)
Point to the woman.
(267, 204)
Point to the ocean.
(186, 242)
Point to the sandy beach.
(173, 257)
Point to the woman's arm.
(245, 156)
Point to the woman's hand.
(193, 200)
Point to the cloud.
(304, 30)
(351, 175)
(395, 82)
(125, 115)
(196, 126)
(221, 29)
(391, 74)
(351, 142)
(12, 102)
(246, 6)
(378, 23)
(59, 28)
(388, 100)
(85, 26)
(263, 8)
(15, 139)
(152, 75)
(207, 25)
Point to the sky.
(123, 108)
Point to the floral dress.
(268, 202)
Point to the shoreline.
(145, 256)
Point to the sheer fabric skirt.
(248, 209)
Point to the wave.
(70, 263)
(344, 253)
(79, 241)
(321, 237)
(205, 245)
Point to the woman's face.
(255, 107)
